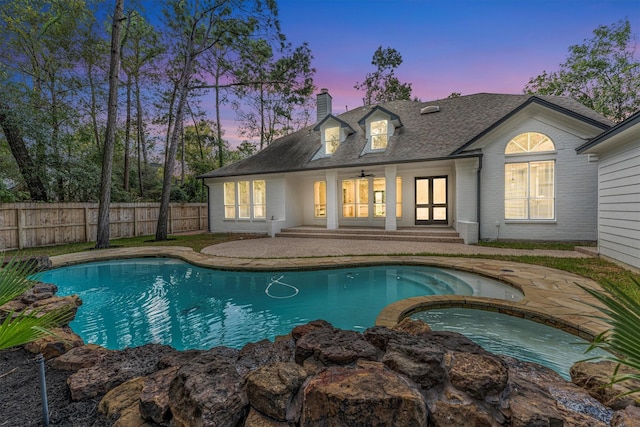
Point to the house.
(618, 154)
(490, 166)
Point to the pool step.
(436, 234)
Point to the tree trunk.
(142, 151)
(102, 239)
(127, 137)
(172, 149)
(21, 154)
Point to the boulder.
(58, 343)
(478, 375)
(537, 395)
(417, 359)
(595, 377)
(154, 396)
(455, 410)
(209, 391)
(120, 398)
(629, 417)
(256, 419)
(334, 347)
(362, 396)
(271, 388)
(80, 357)
(255, 355)
(115, 368)
(411, 326)
(301, 330)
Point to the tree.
(273, 92)
(382, 85)
(195, 28)
(102, 238)
(602, 73)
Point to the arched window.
(530, 142)
(529, 191)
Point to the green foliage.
(603, 73)
(273, 90)
(622, 340)
(27, 326)
(382, 85)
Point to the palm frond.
(622, 340)
(28, 325)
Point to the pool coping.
(551, 297)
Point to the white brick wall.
(575, 188)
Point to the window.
(529, 186)
(355, 198)
(229, 199)
(259, 199)
(244, 200)
(529, 190)
(320, 199)
(243, 197)
(530, 142)
(331, 139)
(379, 134)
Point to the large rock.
(453, 409)
(256, 419)
(537, 395)
(255, 355)
(595, 377)
(411, 326)
(629, 417)
(121, 404)
(80, 357)
(334, 347)
(114, 368)
(478, 375)
(154, 396)
(417, 359)
(209, 392)
(271, 389)
(362, 396)
(58, 343)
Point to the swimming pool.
(133, 302)
(513, 336)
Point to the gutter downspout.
(478, 194)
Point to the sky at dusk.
(465, 46)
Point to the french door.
(431, 200)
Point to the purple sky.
(465, 46)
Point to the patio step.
(441, 234)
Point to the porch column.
(390, 203)
(332, 200)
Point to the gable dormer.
(379, 126)
(333, 132)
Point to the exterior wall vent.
(430, 109)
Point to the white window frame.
(331, 144)
(528, 155)
(244, 209)
(373, 136)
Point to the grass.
(195, 241)
(558, 246)
(600, 270)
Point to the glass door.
(431, 200)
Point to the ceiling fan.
(364, 175)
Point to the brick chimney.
(323, 104)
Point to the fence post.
(170, 219)
(21, 232)
(87, 223)
(135, 220)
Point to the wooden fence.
(28, 225)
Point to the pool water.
(128, 303)
(513, 336)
